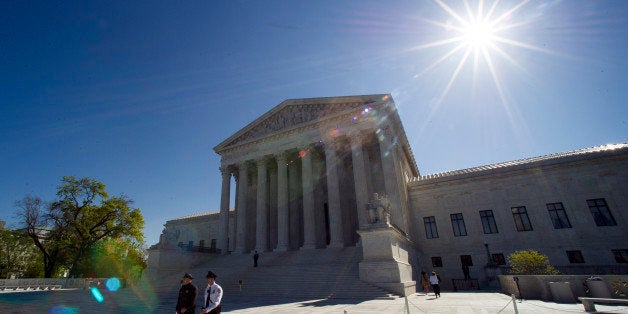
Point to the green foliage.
(530, 262)
(17, 253)
(114, 258)
(83, 215)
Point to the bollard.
(514, 303)
(407, 306)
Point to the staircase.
(304, 274)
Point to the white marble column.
(309, 222)
(359, 178)
(333, 196)
(261, 233)
(389, 155)
(223, 228)
(282, 203)
(241, 210)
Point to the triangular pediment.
(295, 113)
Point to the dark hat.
(188, 276)
(210, 274)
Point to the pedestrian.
(435, 281)
(255, 258)
(213, 295)
(465, 271)
(425, 282)
(186, 303)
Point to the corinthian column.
(282, 203)
(309, 222)
(261, 234)
(223, 228)
(359, 177)
(241, 210)
(333, 196)
(392, 175)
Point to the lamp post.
(491, 268)
(489, 261)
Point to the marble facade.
(307, 173)
(304, 172)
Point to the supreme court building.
(326, 173)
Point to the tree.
(530, 262)
(47, 239)
(68, 228)
(114, 257)
(16, 254)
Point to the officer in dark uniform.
(187, 296)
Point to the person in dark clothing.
(186, 303)
(465, 271)
(255, 258)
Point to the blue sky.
(137, 93)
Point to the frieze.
(293, 116)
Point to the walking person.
(186, 303)
(213, 295)
(435, 281)
(255, 258)
(425, 282)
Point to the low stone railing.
(49, 283)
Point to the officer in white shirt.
(213, 295)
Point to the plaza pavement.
(128, 300)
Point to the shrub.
(530, 262)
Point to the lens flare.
(60, 309)
(97, 295)
(112, 284)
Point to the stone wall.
(570, 180)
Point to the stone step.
(332, 273)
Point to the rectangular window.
(520, 214)
(558, 215)
(466, 260)
(621, 256)
(601, 213)
(498, 259)
(457, 223)
(575, 257)
(488, 221)
(213, 244)
(437, 261)
(430, 227)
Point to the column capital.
(281, 157)
(357, 138)
(261, 159)
(226, 170)
(243, 165)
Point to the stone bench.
(589, 303)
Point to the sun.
(477, 34)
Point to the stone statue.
(378, 209)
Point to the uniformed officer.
(213, 295)
(187, 296)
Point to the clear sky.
(137, 93)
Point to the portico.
(305, 169)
